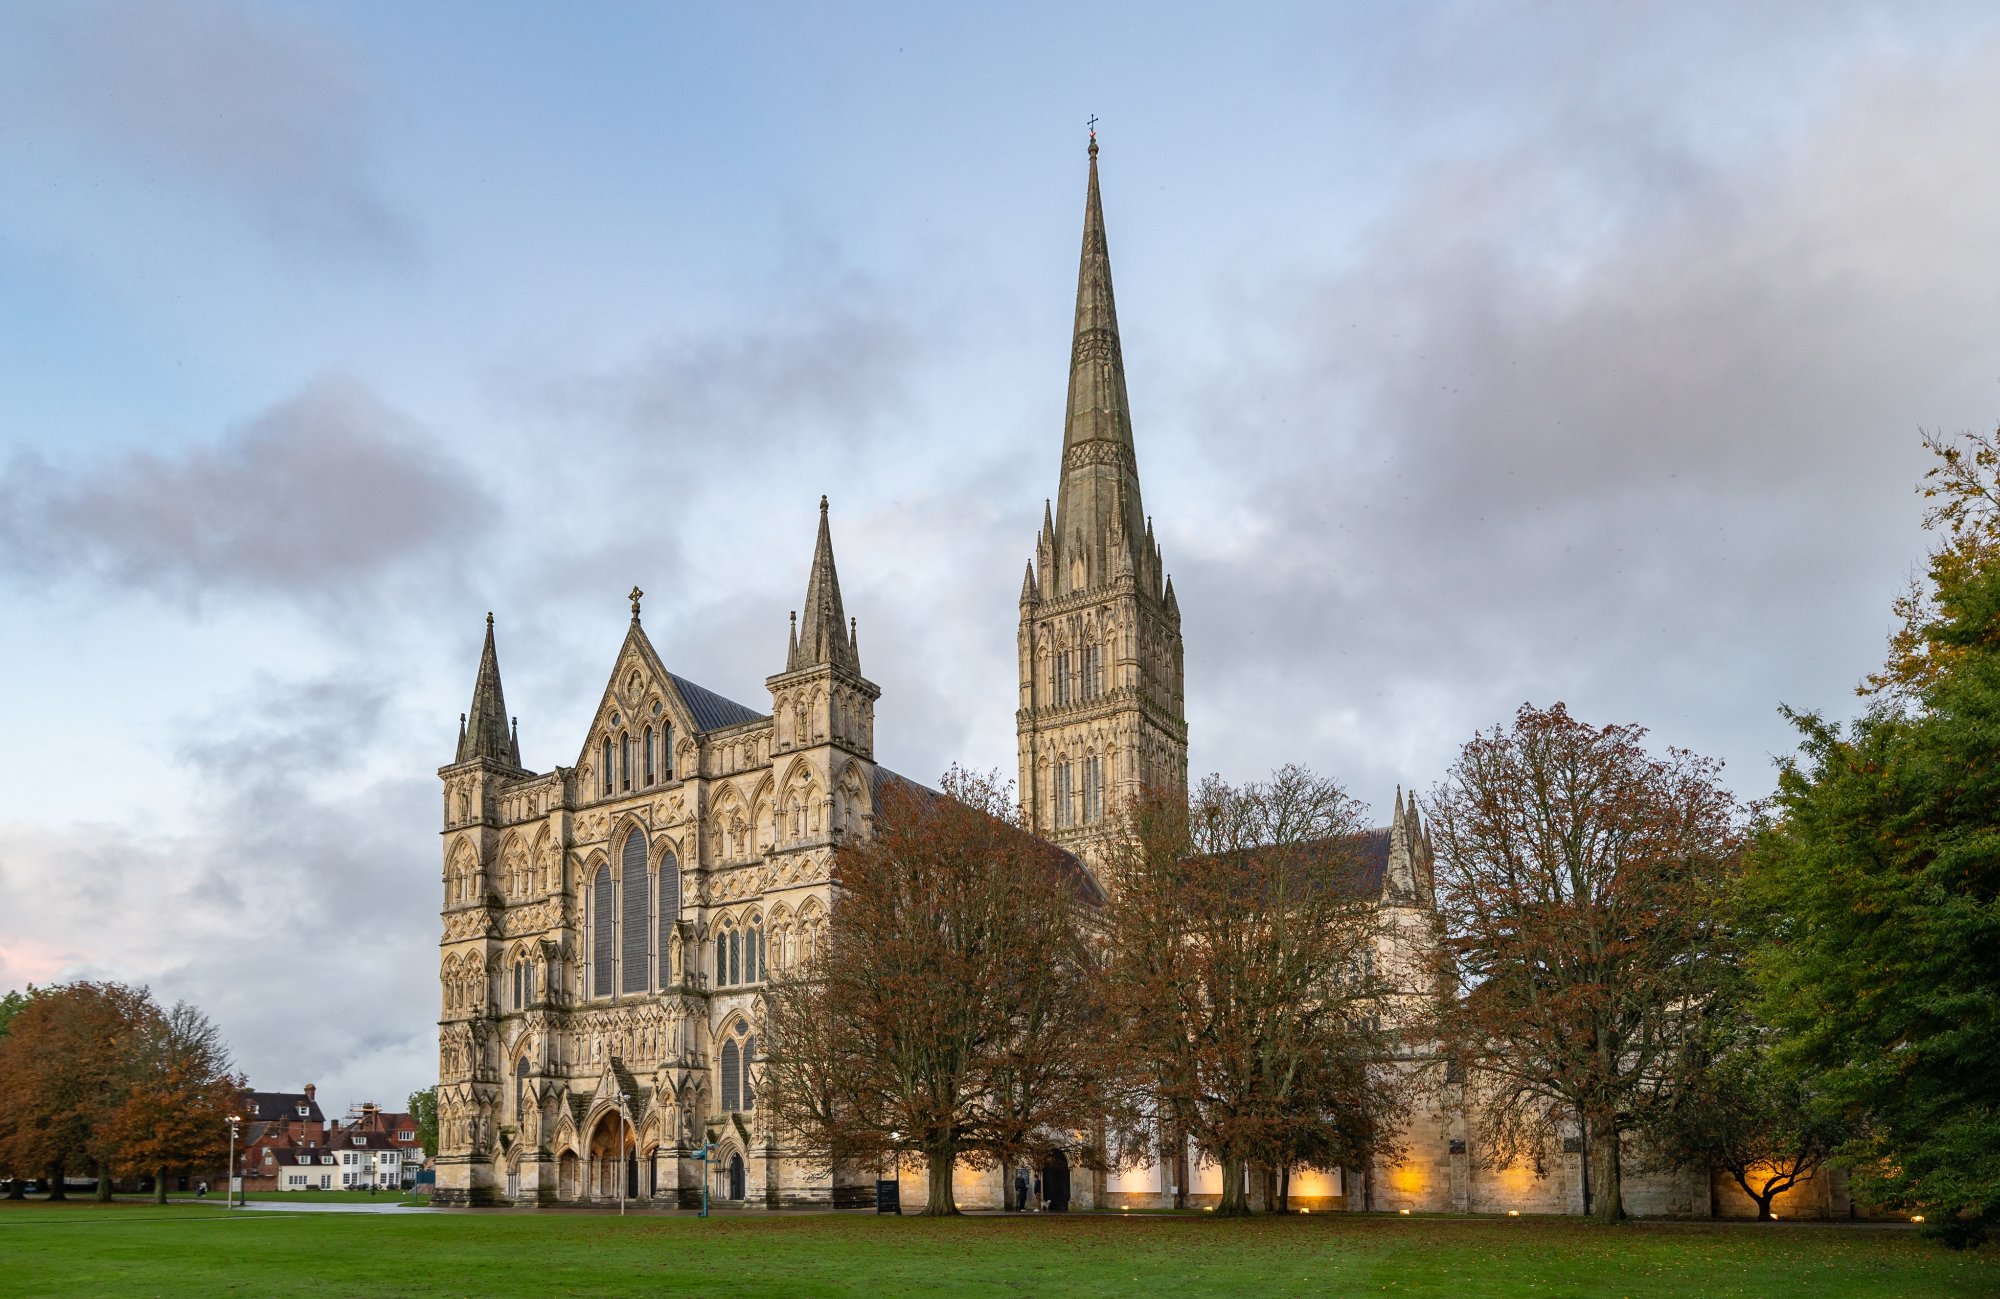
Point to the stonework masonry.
(608, 926)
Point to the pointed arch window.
(749, 1092)
(1093, 790)
(624, 761)
(603, 919)
(636, 904)
(735, 958)
(520, 999)
(1065, 809)
(666, 750)
(607, 764)
(520, 1089)
(732, 1077)
(651, 766)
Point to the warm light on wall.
(1513, 1213)
(1916, 1217)
(1404, 1212)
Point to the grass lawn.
(133, 1248)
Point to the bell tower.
(1102, 711)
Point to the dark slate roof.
(1371, 856)
(274, 1107)
(1088, 889)
(711, 711)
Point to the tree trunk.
(1235, 1203)
(56, 1175)
(103, 1182)
(1606, 1204)
(160, 1186)
(1285, 1190)
(939, 1202)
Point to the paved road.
(324, 1206)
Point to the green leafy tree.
(1738, 1108)
(424, 1109)
(1880, 875)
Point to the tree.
(424, 1109)
(950, 1014)
(11, 1005)
(1736, 1108)
(71, 1057)
(177, 1112)
(1240, 989)
(1880, 877)
(1579, 881)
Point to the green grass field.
(139, 1249)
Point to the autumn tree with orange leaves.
(1580, 880)
(97, 1076)
(951, 1013)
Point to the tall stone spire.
(1102, 713)
(484, 733)
(1098, 509)
(824, 636)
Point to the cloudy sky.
(1478, 354)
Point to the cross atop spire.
(636, 596)
(483, 731)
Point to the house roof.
(276, 1107)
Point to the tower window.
(1093, 790)
(1065, 808)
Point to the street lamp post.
(623, 1101)
(229, 1187)
(702, 1153)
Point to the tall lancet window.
(625, 761)
(603, 920)
(1093, 790)
(666, 750)
(650, 767)
(732, 1076)
(1065, 807)
(607, 764)
(632, 953)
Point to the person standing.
(1020, 1190)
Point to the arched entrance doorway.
(613, 1152)
(736, 1177)
(569, 1179)
(1055, 1180)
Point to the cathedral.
(608, 925)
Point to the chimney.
(309, 1093)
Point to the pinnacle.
(484, 732)
(821, 639)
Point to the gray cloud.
(316, 496)
(272, 114)
(831, 371)
(1579, 424)
(298, 914)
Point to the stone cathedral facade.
(608, 925)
